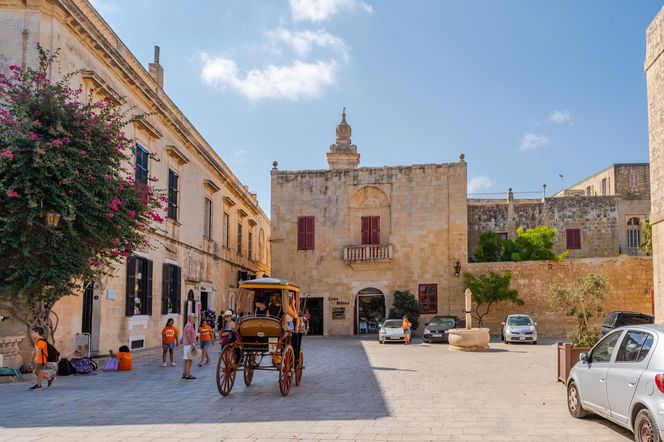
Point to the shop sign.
(339, 313)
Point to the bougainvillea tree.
(63, 155)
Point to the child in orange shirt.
(43, 369)
(169, 340)
(405, 325)
(205, 336)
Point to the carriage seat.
(260, 327)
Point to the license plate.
(522, 338)
(437, 336)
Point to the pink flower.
(110, 214)
(7, 154)
(66, 139)
(57, 142)
(82, 151)
(12, 193)
(38, 150)
(123, 254)
(33, 136)
(132, 214)
(96, 264)
(37, 123)
(116, 201)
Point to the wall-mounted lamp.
(457, 268)
(52, 218)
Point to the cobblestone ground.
(352, 390)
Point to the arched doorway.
(370, 310)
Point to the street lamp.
(457, 268)
(52, 218)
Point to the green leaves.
(488, 290)
(534, 244)
(405, 304)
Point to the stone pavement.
(353, 389)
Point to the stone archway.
(370, 310)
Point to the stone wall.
(629, 288)
(207, 264)
(597, 217)
(654, 67)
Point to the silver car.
(518, 328)
(622, 379)
(391, 331)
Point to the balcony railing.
(368, 253)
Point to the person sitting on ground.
(169, 340)
(43, 369)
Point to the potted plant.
(582, 299)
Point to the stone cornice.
(85, 22)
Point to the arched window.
(633, 233)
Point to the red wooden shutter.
(301, 233)
(310, 236)
(375, 230)
(366, 230)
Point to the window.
(633, 182)
(305, 232)
(604, 188)
(139, 286)
(239, 239)
(207, 227)
(502, 236)
(142, 158)
(589, 191)
(170, 289)
(633, 233)
(428, 297)
(603, 351)
(370, 230)
(573, 239)
(172, 195)
(227, 230)
(250, 245)
(634, 347)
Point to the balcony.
(369, 253)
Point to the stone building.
(215, 232)
(351, 236)
(654, 68)
(599, 216)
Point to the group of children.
(170, 338)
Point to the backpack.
(65, 367)
(84, 366)
(111, 364)
(52, 355)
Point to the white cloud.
(477, 183)
(292, 82)
(302, 42)
(532, 141)
(104, 7)
(559, 117)
(321, 10)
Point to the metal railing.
(368, 253)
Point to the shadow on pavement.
(336, 370)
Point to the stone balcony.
(368, 253)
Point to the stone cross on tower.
(343, 154)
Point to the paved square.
(352, 389)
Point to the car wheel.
(574, 402)
(534, 342)
(502, 337)
(506, 341)
(645, 427)
(380, 341)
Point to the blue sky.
(528, 90)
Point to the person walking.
(44, 369)
(406, 325)
(189, 343)
(169, 340)
(205, 335)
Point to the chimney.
(155, 69)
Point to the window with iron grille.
(428, 298)
(139, 286)
(633, 232)
(142, 160)
(171, 287)
(573, 239)
(173, 179)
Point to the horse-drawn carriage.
(268, 335)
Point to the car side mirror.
(584, 357)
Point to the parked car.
(518, 328)
(436, 329)
(391, 331)
(622, 379)
(619, 319)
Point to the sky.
(527, 90)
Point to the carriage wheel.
(298, 370)
(286, 371)
(249, 364)
(226, 369)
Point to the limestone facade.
(654, 68)
(629, 287)
(217, 232)
(349, 233)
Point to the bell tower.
(343, 154)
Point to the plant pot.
(568, 356)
